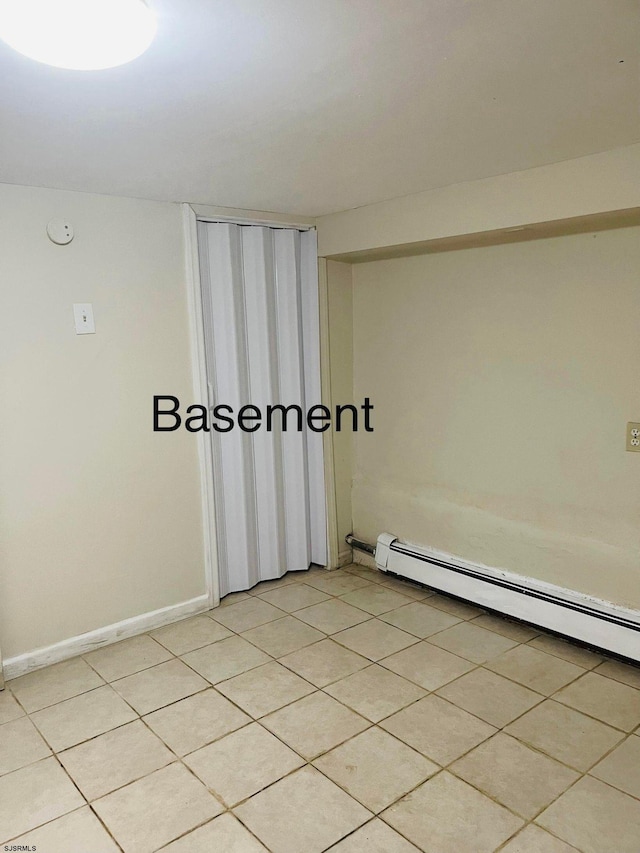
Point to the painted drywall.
(585, 186)
(340, 310)
(100, 517)
(503, 378)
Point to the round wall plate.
(60, 231)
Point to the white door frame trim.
(201, 395)
(333, 545)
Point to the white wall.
(502, 379)
(100, 518)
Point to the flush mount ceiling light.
(84, 35)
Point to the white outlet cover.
(60, 231)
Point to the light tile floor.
(345, 711)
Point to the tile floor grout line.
(602, 758)
(46, 823)
(106, 828)
(84, 655)
(380, 662)
(586, 713)
(625, 735)
(46, 707)
(308, 762)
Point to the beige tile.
(490, 697)
(9, 708)
(375, 768)
(427, 665)
(626, 673)
(324, 662)
(515, 775)
(595, 818)
(622, 767)
(376, 599)
(79, 830)
(418, 593)
(35, 795)
(157, 809)
(507, 627)
(337, 583)
(565, 734)
(314, 724)
(232, 598)
(114, 759)
(196, 721)
(374, 837)
(532, 839)
(283, 636)
(265, 689)
(225, 834)
(420, 619)
(225, 659)
(437, 729)
(243, 763)
(159, 686)
(246, 614)
(54, 684)
(128, 656)
(317, 571)
(332, 616)
(313, 813)
(190, 634)
(605, 699)
(294, 597)
(88, 715)
(374, 639)
(372, 575)
(278, 583)
(454, 606)
(535, 669)
(473, 643)
(567, 651)
(375, 692)
(20, 744)
(445, 815)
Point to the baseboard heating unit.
(577, 616)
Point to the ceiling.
(308, 107)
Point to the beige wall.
(340, 305)
(100, 518)
(502, 380)
(597, 184)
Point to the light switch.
(83, 316)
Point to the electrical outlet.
(633, 437)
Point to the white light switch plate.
(83, 317)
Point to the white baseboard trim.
(83, 643)
(575, 615)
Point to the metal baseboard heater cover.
(573, 614)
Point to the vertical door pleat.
(291, 372)
(259, 284)
(233, 479)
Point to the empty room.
(320, 426)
